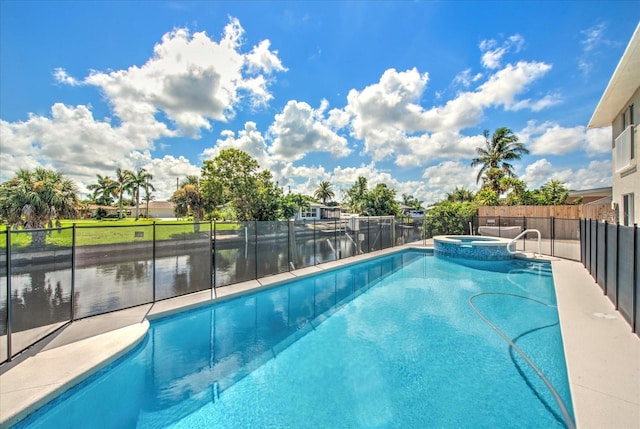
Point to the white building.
(619, 108)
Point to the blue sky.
(399, 92)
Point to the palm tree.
(324, 192)
(103, 190)
(148, 187)
(357, 195)
(34, 199)
(189, 197)
(123, 184)
(460, 195)
(503, 146)
(138, 180)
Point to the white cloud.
(249, 140)
(492, 53)
(192, 79)
(300, 129)
(61, 76)
(549, 138)
(465, 78)
(448, 175)
(596, 175)
(592, 40)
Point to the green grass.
(92, 232)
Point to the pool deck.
(602, 354)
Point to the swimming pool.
(406, 340)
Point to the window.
(631, 122)
(309, 212)
(628, 209)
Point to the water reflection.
(109, 278)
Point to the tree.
(122, 184)
(231, 178)
(460, 195)
(487, 197)
(381, 201)
(103, 190)
(137, 180)
(411, 201)
(188, 198)
(34, 199)
(356, 195)
(449, 218)
(501, 148)
(554, 193)
(324, 192)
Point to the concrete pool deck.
(602, 354)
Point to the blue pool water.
(397, 342)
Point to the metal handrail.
(523, 233)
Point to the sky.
(399, 92)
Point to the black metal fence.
(51, 277)
(611, 253)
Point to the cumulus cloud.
(249, 140)
(448, 175)
(549, 138)
(192, 79)
(300, 129)
(596, 175)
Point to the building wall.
(627, 181)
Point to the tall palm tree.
(33, 199)
(123, 184)
(148, 187)
(502, 147)
(324, 192)
(103, 190)
(139, 179)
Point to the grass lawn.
(91, 231)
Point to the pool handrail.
(524, 233)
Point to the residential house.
(619, 108)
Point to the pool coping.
(605, 386)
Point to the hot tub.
(472, 247)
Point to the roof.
(623, 84)
(603, 192)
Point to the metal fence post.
(212, 260)
(289, 245)
(73, 272)
(213, 240)
(553, 235)
(335, 238)
(9, 317)
(153, 257)
(255, 247)
(315, 257)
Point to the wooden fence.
(584, 211)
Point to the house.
(619, 108)
(315, 211)
(158, 209)
(589, 196)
